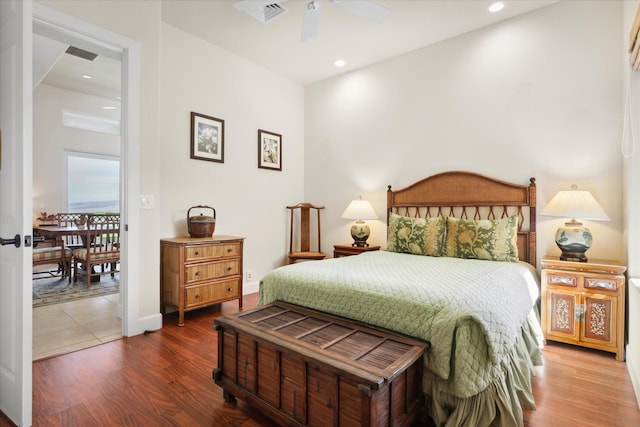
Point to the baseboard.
(634, 374)
(250, 288)
(154, 322)
(146, 324)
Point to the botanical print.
(269, 150)
(207, 138)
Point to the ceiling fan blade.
(364, 8)
(310, 21)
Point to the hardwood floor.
(163, 378)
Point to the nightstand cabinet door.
(563, 314)
(600, 314)
(583, 303)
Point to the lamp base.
(573, 256)
(360, 232)
(573, 239)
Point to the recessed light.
(340, 63)
(86, 76)
(496, 7)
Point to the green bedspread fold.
(471, 311)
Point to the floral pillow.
(489, 239)
(418, 236)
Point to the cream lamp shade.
(573, 238)
(360, 210)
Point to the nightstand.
(348, 250)
(583, 303)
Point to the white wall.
(538, 96)
(632, 202)
(250, 202)
(51, 139)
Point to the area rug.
(56, 290)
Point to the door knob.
(15, 241)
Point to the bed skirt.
(501, 403)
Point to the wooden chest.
(302, 367)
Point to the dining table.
(56, 232)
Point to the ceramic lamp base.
(360, 232)
(573, 239)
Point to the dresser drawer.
(212, 292)
(601, 283)
(203, 252)
(211, 270)
(560, 278)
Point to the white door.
(15, 209)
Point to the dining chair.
(51, 252)
(300, 238)
(72, 219)
(102, 247)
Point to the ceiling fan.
(267, 10)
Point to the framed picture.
(207, 138)
(269, 150)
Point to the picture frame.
(269, 150)
(207, 138)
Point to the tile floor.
(71, 326)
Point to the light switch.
(147, 201)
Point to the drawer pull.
(196, 296)
(230, 289)
(228, 268)
(229, 250)
(197, 253)
(197, 273)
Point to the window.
(93, 183)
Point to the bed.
(458, 271)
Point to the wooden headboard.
(469, 195)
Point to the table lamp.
(360, 210)
(573, 238)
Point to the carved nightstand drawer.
(601, 283)
(562, 279)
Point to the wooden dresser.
(302, 367)
(583, 303)
(199, 272)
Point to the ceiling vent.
(81, 53)
(264, 11)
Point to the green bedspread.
(471, 311)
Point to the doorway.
(57, 28)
